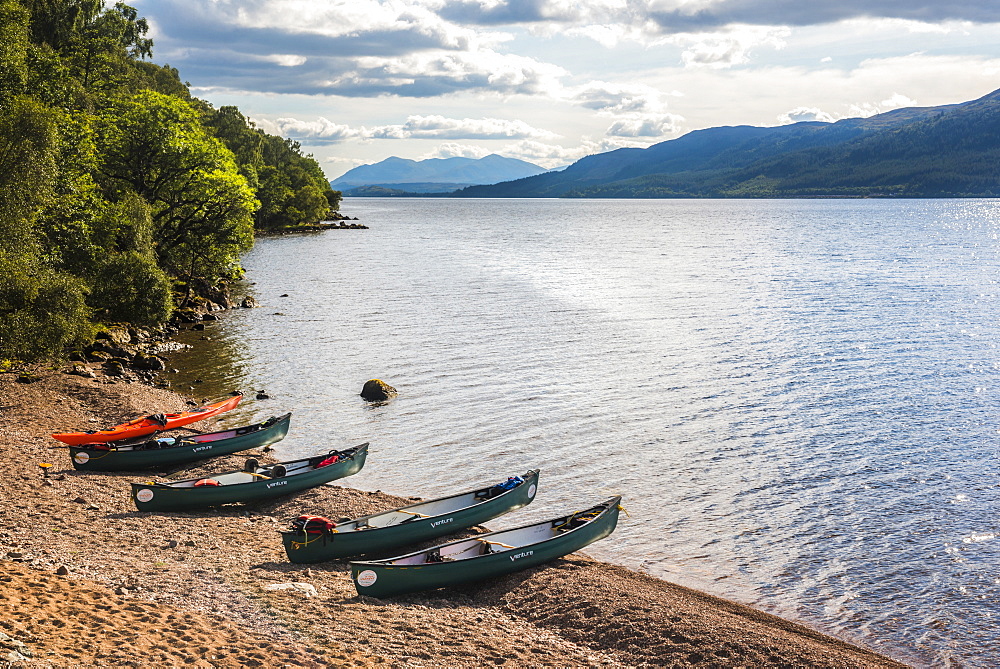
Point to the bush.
(131, 288)
(42, 312)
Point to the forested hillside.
(116, 185)
(947, 151)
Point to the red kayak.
(141, 427)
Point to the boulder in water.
(377, 390)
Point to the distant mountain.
(946, 151)
(438, 175)
(403, 190)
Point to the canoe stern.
(380, 579)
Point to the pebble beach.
(86, 579)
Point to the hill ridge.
(449, 173)
(939, 151)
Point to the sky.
(551, 81)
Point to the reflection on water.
(796, 398)
(213, 367)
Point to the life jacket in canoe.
(499, 488)
(327, 461)
(313, 524)
(200, 483)
(509, 484)
(98, 447)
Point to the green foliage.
(154, 146)
(240, 136)
(293, 188)
(97, 45)
(42, 312)
(131, 287)
(13, 49)
(28, 141)
(333, 199)
(161, 78)
(116, 184)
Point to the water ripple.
(795, 397)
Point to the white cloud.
(325, 131)
(645, 125)
(362, 48)
(481, 128)
(378, 19)
(287, 59)
(320, 129)
(730, 48)
(800, 114)
(612, 98)
(553, 155)
(638, 110)
(453, 150)
(895, 101)
(493, 72)
(434, 73)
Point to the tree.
(42, 310)
(152, 145)
(98, 45)
(241, 137)
(13, 49)
(115, 182)
(293, 187)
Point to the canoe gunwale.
(336, 545)
(194, 498)
(96, 457)
(346, 454)
(129, 445)
(383, 578)
(527, 480)
(605, 507)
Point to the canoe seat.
(238, 477)
(491, 544)
(574, 521)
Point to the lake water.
(797, 399)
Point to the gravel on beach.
(85, 579)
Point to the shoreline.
(90, 580)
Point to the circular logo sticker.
(531, 490)
(82, 457)
(366, 578)
(144, 495)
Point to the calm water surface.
(796, 398)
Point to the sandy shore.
(85, 579)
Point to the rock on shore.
(87, 579)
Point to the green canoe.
(487, 555)
(164, 452)
(411, 524)
(253, 483)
